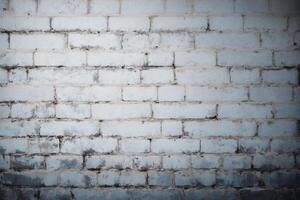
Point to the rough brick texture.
(149, 99)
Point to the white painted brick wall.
(159, 99)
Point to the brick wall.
(149, 99)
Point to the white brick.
(4, 111)
(69, 128)
(278, 128)
(205, 161)
(157, 76)
(130, 128)
(27, 93)
(157, 178)
(194, 178)
(37, 41)
(79, 23)
(285, 145)
(179, 6)
(18, 128)
(176, 41)
(143, 7)
(135, 41)
(13, 145)
(66, 58)
(176, 162)
(147, 162)
(253, 145)
(18, 75)
(245, 58)
(12, 58)
(179, 23)
(62, 7)
(22, 110)
(216, 94)
(134, 145)
(116, 59)
(3, 7)
(43, 145)
(294, 23)
(287, 111)
(287, 58)
(207, 76)
(129, 24)
(226, 23)
(58, 162)
(244, 76)
(104, 7)
(160, 58)
(73, 111)
(91, 93)
(139, 93)
(82, 145)
(282, 40)
(284, 6)
(3, 76)
(195, 59)
(3, 41)
(120, 111)
(171, 93)
(171, 128)
(123, 178)
(213, 6)
(265, 23)
(99, 41)
(77, 179)
(271, 94)
(219, 128)
(108, 162)
(116, 77)
(58, 76)
(226, 40)
(218, 145)
(25, 23)
(22, 7)
(237, 162)
(244, 111)
(185, 111)
(175, 146)
(251, 6)
(273, 161)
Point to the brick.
(61, 162)
(156, 178)
(37, 41)
(287, 58)
(244, 76)
(176, 162)
(66, 58)
(205, 162)
(297, 94)
(253, 145)
(195, 178)
(79, 23)
(4, 111)
(280, 40)
(171, 128)
(61, 76)
(13, 145)
(104, 59)
(278, 128)
(148, 194)
(4, 163)
(280, 76)
(271, 94)
(130, 128)
(101, 193)
(195, 59)
(78, 111)
(294, 24)
(62, 7)
(27, 93)
(103, 7)
(88, 145)
(211, 193)
(19, 7)
(25, 23)
(279, 6)
(218, 145)
(129, 24)
(121, 111)
(226, 23)
(56, 193)
(27, 162)
(109, 162)
(215, 94)
(142, 7)
(139, 93)
(226, 40)
(287, 111)
(270, 162)
(135, 41)
(205, 76)
(179, 7)
(78, 178)
(160, 58)
(281, 145)
(209, 6)
(43, 145)
(22, 110)
(237, 162)
(18, 76)
(157, 76)
(185, 111)
(123, 178)
(244, 58)
(265, 23)
(4, 41)
(219, 128)
(13, 58)
(134, 146)
(237, 179)
(3, 76)
(69, 128)
(179, 23)
(171, 93)
(245, 111)
(250, 6)
(115, 77)
(175, 146)
(147, 162)
(279, 179)
(176, 41)
(3, 7)
(18, 128)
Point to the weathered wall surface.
(149, 99)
